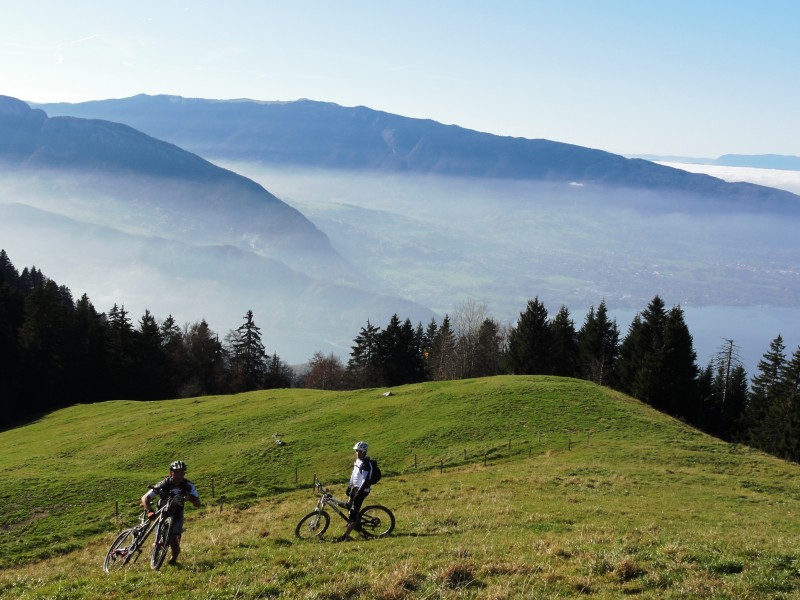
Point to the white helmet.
(361, 446)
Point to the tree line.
(59, 351)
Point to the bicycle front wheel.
(120, 551)
(375, 521)
(313, 525)
(161, 543)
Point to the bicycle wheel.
(375, 521)
(161, 544)
(120, 551)
(313, 525)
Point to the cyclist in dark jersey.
(175, 484)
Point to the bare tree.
(467, 321)
(325, 373)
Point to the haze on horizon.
(679, 79)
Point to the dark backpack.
(375, 471)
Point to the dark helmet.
(177, 465)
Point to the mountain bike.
(127, 547)
(374, 521)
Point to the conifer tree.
(399, 354)
(12, 309)
(489, 354)
(530, 341)
(443, 362)
(783, 416)
(657, 360)
(46, 354)
(564, 345)
(174, 355)
(91, 361)
(363, 367)
(204, 361)
(598, 347)
(279, 374)
(120, 352)
(152, 382)
(247, 356)
(764, 391)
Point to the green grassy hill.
(507, 487)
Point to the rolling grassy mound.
(506, 487)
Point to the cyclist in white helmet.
(175, 484)
(358, 488)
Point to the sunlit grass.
(640, 506)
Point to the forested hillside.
(61, 351)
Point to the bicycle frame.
(372, 521)
(140, 533)
(326, 499)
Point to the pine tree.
(764, 391)
(443, 360)
(247, 356)
(204, 361)
(120, 352)
(399, 353)
(679, 395)
(489, 353)
(657, 360)
(530, 341)
(12, 311)
(46, 353)
(598, 347)
(174, 355)
(279, 374)
(151, 361)
(781, 422)
(363, 367)
(785, 410)
(564, 345)
(91, 364)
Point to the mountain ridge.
(118, 161)
(324, 134)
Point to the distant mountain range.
(106, 209)
(318, 134)
(409, 217)
(96, 158)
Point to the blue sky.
(688, 78)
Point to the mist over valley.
(401, 216)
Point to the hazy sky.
(679, 77)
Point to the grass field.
(507, 487)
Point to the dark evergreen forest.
(57, 351)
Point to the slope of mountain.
(116, 175)
(129, 219)
(523, 487)
(308, 133)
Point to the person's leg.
(175, 546)
(352, 521)
(175, 538)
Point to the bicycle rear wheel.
(120, 551)
(313, 525)
(375, 521)
(161, 543)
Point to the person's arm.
(145, 502)
(193, 496)
(364, 473)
